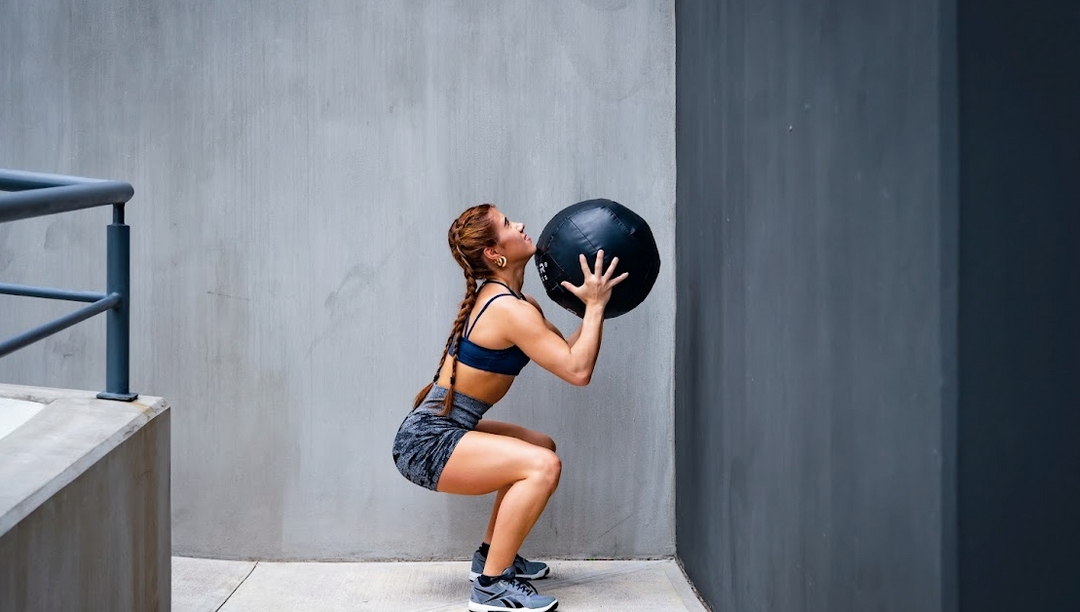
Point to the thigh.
(484, 462)
(516, 431)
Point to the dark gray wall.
(1019, 299)
(876, 388)
(813, 314)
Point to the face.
(513, 242)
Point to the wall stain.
(226, 295)
(345, 300)
(59, 234)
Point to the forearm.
(585, 344)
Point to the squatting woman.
(446, 445)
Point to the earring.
(501, 261)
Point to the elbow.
(580, 379)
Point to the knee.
(547, 468)
(544, 441)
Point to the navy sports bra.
(501, 361)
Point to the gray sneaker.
(529, 570)
(508, 593)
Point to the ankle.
(484, 547)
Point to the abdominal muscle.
(488, 387)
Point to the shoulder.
(509, 319)
(518, 312)
(536, 305)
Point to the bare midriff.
(489, 387)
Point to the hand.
(596, 289)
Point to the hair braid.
(468, 235)
(460, 257)
(456, 333)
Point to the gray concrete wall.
(296, 166)
(103, 542)
(812, 304)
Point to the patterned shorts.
(425, 440)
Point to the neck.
(514, 279)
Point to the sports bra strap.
(469, 328)
(498, 282)
(477, 319)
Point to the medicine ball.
(587, 227)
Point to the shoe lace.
(524, 585)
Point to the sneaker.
(528, 570)
(508, 593)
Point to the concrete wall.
(1019, 296)
(102, 541)
(296, 166)
(813, 307)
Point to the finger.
(570, 287)
(611, 267)
(618, 279)
(599, 262)
(584, 265)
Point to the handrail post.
(117, 361)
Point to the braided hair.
(468, 236)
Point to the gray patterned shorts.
(425, 440)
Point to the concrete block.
(84, 504)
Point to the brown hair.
(468, 236)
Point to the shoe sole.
(479, 607)
(547, 570)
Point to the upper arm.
(528, 329)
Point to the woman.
(445, 445)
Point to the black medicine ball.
(587, 227)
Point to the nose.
(521, 227)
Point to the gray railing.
(24, 195)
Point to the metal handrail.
(24, 195)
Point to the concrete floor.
(208, 585)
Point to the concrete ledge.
(71, 432)
(85, 504)
(13, 413)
